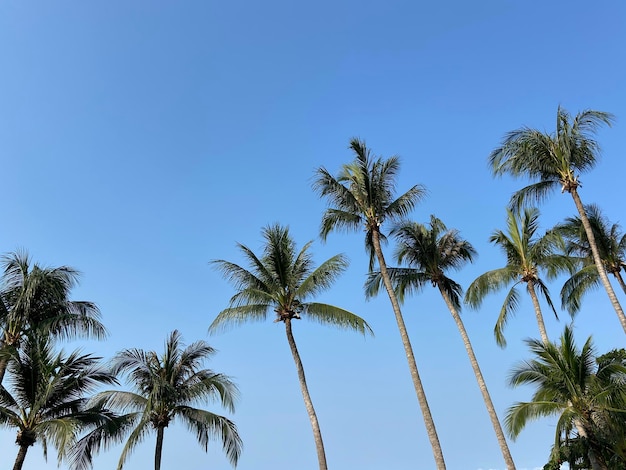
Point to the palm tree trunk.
(21, 455)
(620, 280)
(597, 259)
(596, 463)
(410, 357)
(497, 427)
(540, 323)
(158, 450)
(308, 403)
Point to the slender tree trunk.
(620, 280)
(158, 450)
(497, 427)
(21, 455)
(410, 357)
(538, 315)
(597, 259)
(308, 403)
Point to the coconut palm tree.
(33, 297)
(283, 279)
(430, 252)
(166, 387)
(584, 393)
(527, 256)
(362, 197)
(611, 244)
(46, 400)
(557, 159)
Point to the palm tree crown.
(586, 394)
(611, 244)
(362, 195)
(166, 387)
(527, 256)
(46, 400)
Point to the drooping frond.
(330, 315)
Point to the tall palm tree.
(46, 400)
(430, 252)
(282, 279)
(611, 244)
(166, 387)
(33, 297)
(586, 394)
(362, 197)
(557, 159)
(527, 255)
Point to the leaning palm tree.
(586, 395)
(46, 398)
(611, 244)
(33, 297)
(556, 159)
(166, 387)
(282, 279)
(430, 252)
(527, 255)
(362, 197)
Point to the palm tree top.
(551, 158)
(284, 280)
(362, 196)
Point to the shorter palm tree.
(33, 297)
(283, 279)
(611, 244)
(167, 387)
(527, 255)
(46, 400)
(587, 395)
(430, 252)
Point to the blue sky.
(140, 140)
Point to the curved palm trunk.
(158, 450)
(540, 323)
(21, 455)
(308, 403)
(410, 357)
(497, 427)
(597, 259)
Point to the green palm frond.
(330, 315)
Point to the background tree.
(588, 396)
(46, 401)
(282, 279)
(33, 297)
(166, 389)
(526, 255)
(557, 159)
(362, 196)
(430, 252)
(611, 244)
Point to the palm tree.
(33, 297)
(430, 251)
(527, 255)
(611, 244)
(166, 388)
(283, 279)
(556, 159)
(362, 197)
(46, 399)
(586, 394)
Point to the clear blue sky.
(140, 140)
